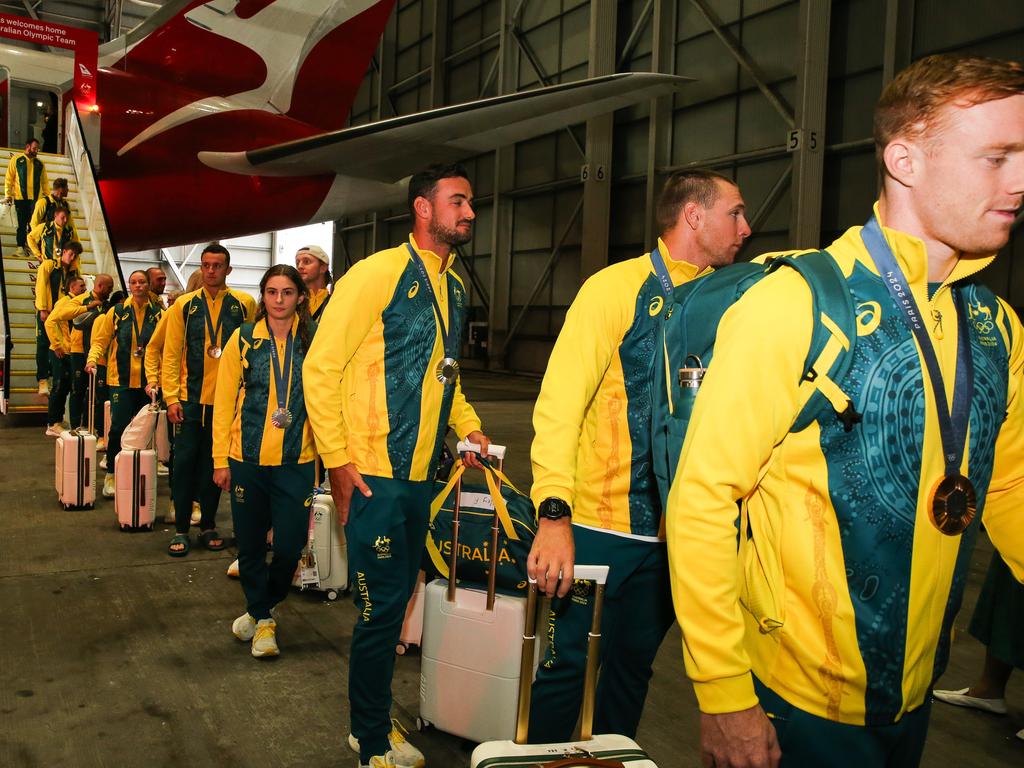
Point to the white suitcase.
(75, 465)
(590, 750)
(470, 657)
(135, 489)
(324, 564)
(412, 625)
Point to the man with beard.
(157, 286)
(593, 484)
(25, 183)
(381, 384)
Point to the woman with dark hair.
(263, 450)
(122, 338)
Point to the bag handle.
(598, 574)
(580, 762)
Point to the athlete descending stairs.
(19, 277)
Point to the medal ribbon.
(135, 324)
(952, 426)
(446, 336)
(214, 332)
(662, 272)
(281, 384)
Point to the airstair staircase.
(18, 273)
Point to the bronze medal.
(953, 504)
(281, 418)
(213, 351)
(447, 370)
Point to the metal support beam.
(545, 274)
(438, 51)
(808, 139)
(659, 131)
(597, 169)
(503, 209)
(743, 59)
(771, 199)
(635, 35)
(899, 38)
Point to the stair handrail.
(89, 198)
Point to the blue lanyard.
(135, 323)
(952, 426)
(662, 272)
(214, 332)
(280, 383)
(446, 336)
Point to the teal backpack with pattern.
(687, 346)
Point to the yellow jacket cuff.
(726, 694)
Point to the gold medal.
(281, 418)
(213, 351)
(447, 370)
(953, 504)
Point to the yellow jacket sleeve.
(593, 327)
(38, 214)
(155, 350)
(249, 303)
(102, 331)
(34, 240)
(170, 360)
(753, 381)
(44, 183)
(360, 297)
(67, 310)
(229, 382)
(463, 418)
(10, 178)
(44, 302)
(54, 329)
(1005, 498)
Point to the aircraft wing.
(390, 150)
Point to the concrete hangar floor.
(116, 655)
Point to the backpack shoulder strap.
(832, 341)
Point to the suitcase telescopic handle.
(598, 575)
(495, 451)
(92, 403)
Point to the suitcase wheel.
(332, 594)
(401, 648)
(422, 725)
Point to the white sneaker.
(108, 487)
(404, 754)
(197, 513)
(44, 388)
(961, 699)
(162, 470)
(264, 642)
(101, 444)
(103, 465)
(54, 430)
(244, 627)
(381, 761)
(169, 517)
(233, 571)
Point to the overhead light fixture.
(39, 104)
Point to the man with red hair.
(821, 646)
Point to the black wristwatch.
(553, 508)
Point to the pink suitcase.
(135, 489)
(106, 419)
(75, 473)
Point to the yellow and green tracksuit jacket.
(43, 213)
(247, 396)
(52, 283)
(66, 311)
(25, 179)
(116, 340)
(187, 373)
(844, 595)
(371, 390)
(47, 241)
(155, 348)
(61, 331)
(592, 419)
(318, 303)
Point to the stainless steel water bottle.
(690, 379)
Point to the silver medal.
(447, 370)
(281, 418)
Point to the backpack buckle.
(850, 417)
(811, 374)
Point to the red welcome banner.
(84, 43)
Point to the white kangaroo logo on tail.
(282, 34)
